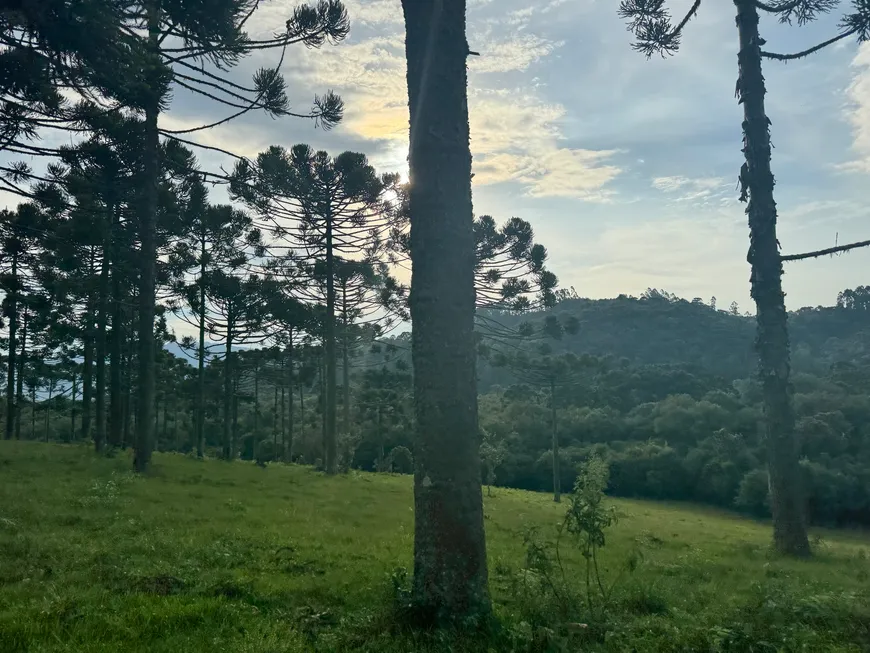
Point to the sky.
(625, 167)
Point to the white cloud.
(692, 189)
(515, 135)
(516, 53)
(858, 111)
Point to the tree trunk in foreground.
(450, 573)
(771, 343)
(144, 444)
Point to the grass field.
(211, 556)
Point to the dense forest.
(664, 392)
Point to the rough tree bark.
(450, 572)
(147, 291)
(771, 342)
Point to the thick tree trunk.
(557, 474)
(88, 362)
(100, 346)
(147, 282)
(771, 343)
(331, 443)
(19, 390)
(12, 315)
(450, 573)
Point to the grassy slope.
(209, 556)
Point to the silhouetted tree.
(450, 572)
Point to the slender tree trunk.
(175, 442)
(450, 572)
(116, 344)
(256, 398)
(147, 281)
(165, 430)
(33, 435)
(228, 453)
(557, 475)
(12, 315)
(380, 435)
(323, 409)
(345, 366)
(200, 378)
(275, 425)
(88, 363)
(771, 342)
(331, 443)
(19, 391)
(48, 410)
(283, 414)
(290, 416)
(234, 440)
(100, 345)
(128, 401)
(72, 408)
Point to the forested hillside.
(661, 329)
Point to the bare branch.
(805, 53)
(826, 252)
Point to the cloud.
(515, 135)
(858, 111)
(516, 53)
(683, 255)
(689, 189)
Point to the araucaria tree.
(196, 42)
(650, 20)
(323, 208)
(450, 572)
(214, 240)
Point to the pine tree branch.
(800, 55)
(777, 9)
(826, 252)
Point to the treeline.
(680, 431)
